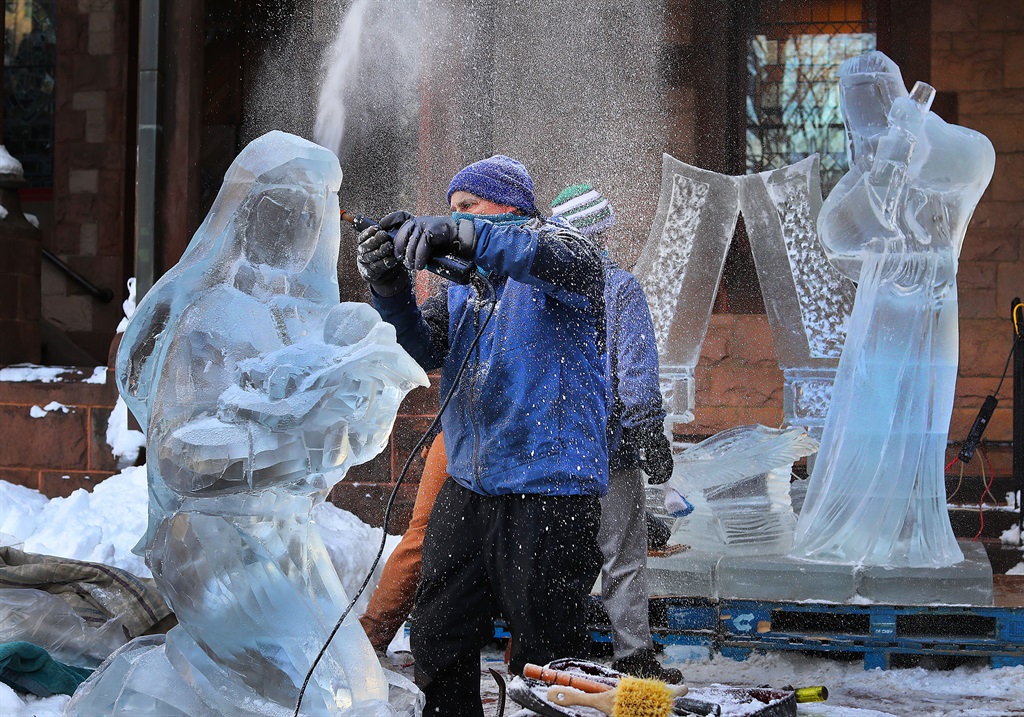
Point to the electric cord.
(981, 500)
(1006, 366)
(394, 491)
(959, 483)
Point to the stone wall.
(978, 53)
(92, 176)
(57, 449)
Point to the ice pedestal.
(692, 573)
(968, 582)
(783, 577)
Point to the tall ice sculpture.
(894, 224)
(679, 270)
(258, 390)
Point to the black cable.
(1006, 366)
(394, 491)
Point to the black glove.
(423, 237)
(655, 455)
(376, 256)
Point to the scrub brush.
(633, 697)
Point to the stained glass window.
(792, 98)
(30, 58)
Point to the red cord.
(949, 465)
(981, 500)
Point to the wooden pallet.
(876, 632)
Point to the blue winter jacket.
(529, 414)
(635, 395)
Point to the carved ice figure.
(895, 224)
(679, 270)
(258, 390)
(738, 484)
(807, 300)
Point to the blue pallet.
(995, 633)
(737, 628)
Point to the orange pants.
(392, 601)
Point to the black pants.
(530, 559)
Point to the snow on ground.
(975, 691)
(104, 525)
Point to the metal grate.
(792, 97)
(30, 58)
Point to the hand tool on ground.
(633, 697)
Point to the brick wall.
(59, 451)
(978, 53)
(19, 280)
(91, 173)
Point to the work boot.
(644, 664)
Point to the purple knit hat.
(499, 179)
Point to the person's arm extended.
(422, 331)
(563, 264)
(636, 358)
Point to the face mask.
(506, 218)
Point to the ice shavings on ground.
(968, 691)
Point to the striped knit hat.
(585, 208)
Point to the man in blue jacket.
(514, 533)
(636, 440)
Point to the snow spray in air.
(339, 67)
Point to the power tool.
(447, 266)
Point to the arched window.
(792, 103)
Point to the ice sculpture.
(807, 300)
(679, 270)
(738, 484)
(258, 391)
(895, 224)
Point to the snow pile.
(125, 443)
(50, 374)
(103, 526)
(31, 372)
(100, 527)
(99, 375)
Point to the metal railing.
(104, 296)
